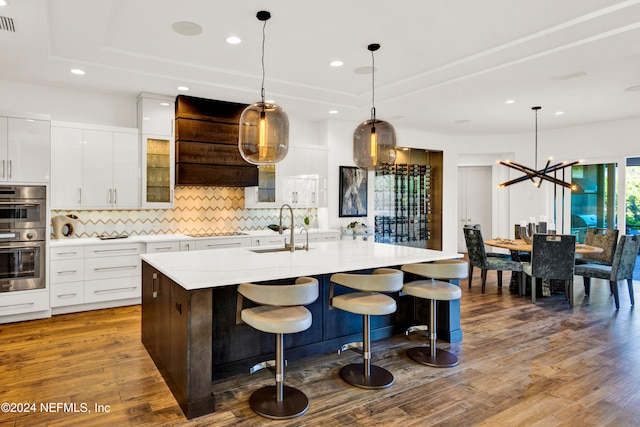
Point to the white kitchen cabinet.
(156, 123)
(25, 150)
(187, 245)
(300, 180)
(86, 277)
(275, 240)
(94, 167)
(22, 302)
(158, 247)
(111, 164)
(223, 243)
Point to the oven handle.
(19, 248)
(20, 204)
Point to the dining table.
(517, 246)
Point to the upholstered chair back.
(553, 256)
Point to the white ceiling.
(441, 61)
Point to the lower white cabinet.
(158, 247)
(104, 273)
(222, 243)
(15, 303)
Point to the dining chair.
(491, 254)
(605, 238)
(478, 258)
(624, 261)
(552, 258)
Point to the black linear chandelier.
(542, 174)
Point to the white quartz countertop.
(151, 238)
(213, 268)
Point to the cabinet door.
(157, 116)
(158, 160)
(126, 170)
(97, 166)
(4, 143)
(66, 168)
(29, 150)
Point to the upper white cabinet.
(94, 167)
(155, 120)
(25, 152)
(300, 180)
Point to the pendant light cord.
(373, 88)
(536, 153)
(264, 26)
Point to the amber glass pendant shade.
(374, 145)
(264, 127)
(264, 133)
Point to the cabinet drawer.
(63, 294)
(112, 250)
(68, 270)
(330, 237)
(23, 302)
(269, 241)
(112, 267)
(66, 252)
(112, 289)
(241, 242)
(163, 247)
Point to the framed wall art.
(353, 192)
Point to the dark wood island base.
(193, 338)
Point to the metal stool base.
(263, 402)
(354, 375)
(442, 359)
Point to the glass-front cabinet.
(156, 115)
(157, 176)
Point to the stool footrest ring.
(355, 346)
(421, 329)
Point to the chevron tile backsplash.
(196, 210)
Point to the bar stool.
(282, 313)
(370, 301)
(434, 290)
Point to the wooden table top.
(521, 246)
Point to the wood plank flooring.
(520, 365)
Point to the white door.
(474, 200)
(66, 168)
(97, 177)
(29, 150)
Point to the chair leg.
(499, 272)
(470, 274)
(483, 275)
(432, 356)
(279, 402)
(569, 290)
(366, 375)
(534, 285)
(630, 285)
(522, 287)
(614, 288)
(587, 285)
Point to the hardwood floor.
(520, 364)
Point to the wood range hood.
(207, 144)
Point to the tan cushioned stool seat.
(277, 320)
(372, 303)
(432, 289)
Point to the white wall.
(601, 142)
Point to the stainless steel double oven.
(23, 213)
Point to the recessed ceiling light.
(333, 111)
(4, 2)
(509, 101)
(633, 89)
(146, 118)
(336, 63)
(77, 71)
(234, 40)
(183, 88)
(165, 104)
(559, 113)
(187, 28)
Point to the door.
(28, 150)
(66, 167)
(474, 200)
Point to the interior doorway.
(632, 211)
(474, 200)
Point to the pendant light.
(264, 126)
(533, 173)
(374, 141)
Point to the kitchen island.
(189, 310)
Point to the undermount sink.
(280, 249)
